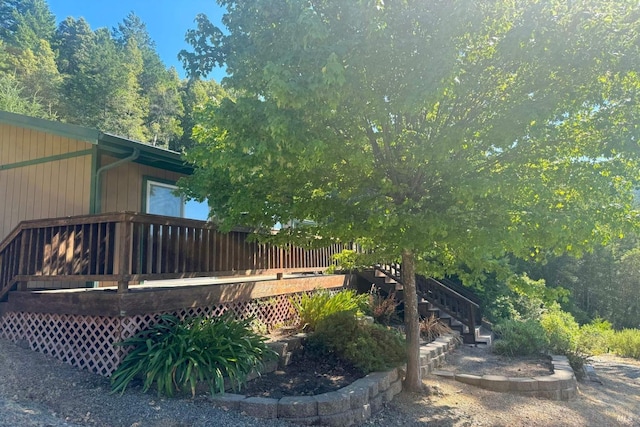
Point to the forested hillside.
(109, 79)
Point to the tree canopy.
(448, 132)
(114, 80)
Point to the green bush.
(520, 338)
(368, 347)
(562, 330)
(594, 338)
(176, 355)
(626, 343)
(313, 308)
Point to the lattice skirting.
(87, 341)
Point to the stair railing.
(444, 298)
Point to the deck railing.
(129, 247)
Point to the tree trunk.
(413, 380)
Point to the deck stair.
(451, 302)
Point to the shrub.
(626, 343)
(383, 310)
(431, 328)
(177, 355)
(313, 308)
(368, 347)
(594, 338)
(520, 338)
(562, 330)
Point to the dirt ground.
(36, 390)
(614, 401)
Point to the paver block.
(357, 393)
(227, 400)
(332, 403)
(469, 379)
(338, 420)
(362, 414)
(371, 384)
(260, 407)
(550, 394)
(445, 374)
(547, 383)
(376, 404)
(297, 407)
(568, 394)
(393, 375)
(565, 382)
(495, 382)
(280, 347)
(394, 389)
(306, 421)
(532, 393)
(523, 384)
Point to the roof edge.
(66, 130)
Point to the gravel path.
(37, 390)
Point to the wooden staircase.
(450, 302)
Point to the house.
(50, 169)
(91, 229)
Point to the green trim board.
(118, 146)
(149, 155)
(62, 129)
(54, 158)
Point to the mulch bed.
(307, 375)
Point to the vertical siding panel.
(47, 211)
(60, 176)
(9, 212)
(134, 188)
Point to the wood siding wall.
(122, 186)
(45, 190)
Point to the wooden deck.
(167, 297)
(127, 248)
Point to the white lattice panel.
(87, 341)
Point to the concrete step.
(484, 336)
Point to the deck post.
(124, 251)
(22, 262)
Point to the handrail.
(398, 278)
(444, 298)
(126, 247)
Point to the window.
(161, 199)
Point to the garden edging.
(561, 385)
(350, 405)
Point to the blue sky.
(167, 20)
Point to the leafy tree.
(14, 99)
(74, 41)
(37, 71)
(159, 86)
(443, 133)
(101, 88)
(23, 23)
(196, 94)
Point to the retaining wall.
(348, 406)
(561, 385)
